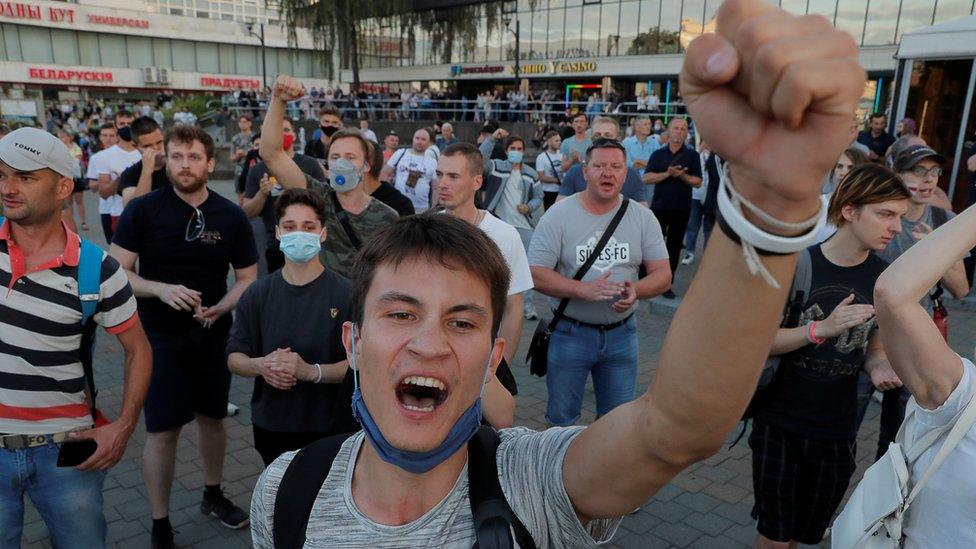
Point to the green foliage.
(654, 41)
(196, 103)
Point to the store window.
(609, 40)
(936, 98)
(227, 61)
(162, 54)
(11, 42)
(540, 35)
(140, 51)
(65, 44)
(88, 49)
(629, 27)
(35, 43)
(184, 56)
(111, 48)
(668, 39)
(208, 60)
(247, 60)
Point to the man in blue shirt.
(673, 170)
(574, 147)
(640, 145)
(604, 127)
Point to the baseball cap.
(31, 149)
(907, 158)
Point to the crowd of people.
(382, 325)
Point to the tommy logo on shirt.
(614, 253)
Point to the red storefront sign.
(118, 21)
(17, 10)
(69, 75)
(230, 83)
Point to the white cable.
(730, 204)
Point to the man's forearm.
(143, 287)
(106, 186)
(138, 371)
(230, 299)
(691, 180)
(144, 186)
(553, 284)
(654, 284)
(510, 328)
(243, 365)
(653, 178)
(252, 206)
(788, 340)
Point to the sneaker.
(669, 295)
(223, 509)
(689, 257)
(531, 315)
(232, 409)
(163, 540)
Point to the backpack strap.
(298, 489)
(89, 292)
(799, 290)
(939, 217)
(494, 521)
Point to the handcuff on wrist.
(756, 241)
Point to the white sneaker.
(531, 315)
(232, 409)
(689, 257)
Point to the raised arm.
(915, 348)
(272, 150)
(721, 333)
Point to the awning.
(952, 39)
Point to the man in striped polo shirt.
(43, 403)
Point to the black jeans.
(673, 225)
(893, 405)
(271, 444)
(548, 199)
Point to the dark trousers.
(674, 223)
(271, 444)
(274, 257)
(893, 405)
(107, 227)
(548, 199)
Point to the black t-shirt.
(878, 145)
(393, 198)
(814, 392)
(672, 193)
(317, 149)
(130, 177)
(273, 314)
(155, 227)
(307, 164)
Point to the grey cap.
(31, 149)
(908, 158)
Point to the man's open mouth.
(421, 393)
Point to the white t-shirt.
(403, 162)
(369, 134)
(944, 513)
(550, 165)
(114, 161)
(508, 241)
(94, 163)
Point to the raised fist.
(773, 94)
(288, 88)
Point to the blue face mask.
(299, 246)
(515, 157)
(415, 462)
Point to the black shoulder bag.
(494, 520)
(555, 172)
(538, 354)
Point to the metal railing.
(394, 109)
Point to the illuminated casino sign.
(555, 67)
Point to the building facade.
(98, 49)
(631, 45)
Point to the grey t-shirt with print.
(904, 240)
(566, 235)
(530, 470)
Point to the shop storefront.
(936, 80)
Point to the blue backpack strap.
(89, 292)
(89, 279)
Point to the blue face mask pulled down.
(515, 157)
(415, 462)
(299, 246)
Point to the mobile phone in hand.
(75, 452)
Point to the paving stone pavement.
(706, 506)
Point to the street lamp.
(264, 61)
(517, 32)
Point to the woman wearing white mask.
(286, 335)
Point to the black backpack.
(494, 520)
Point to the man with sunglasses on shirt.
(184, 237)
